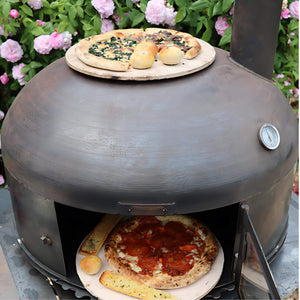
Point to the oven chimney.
(254, 34)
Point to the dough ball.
(143, 59)
(90, 264)
(170, 55)
(147, 45)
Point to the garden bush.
(35, 33)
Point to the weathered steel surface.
(254, 34)
(185, 145)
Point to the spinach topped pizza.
(114, 50)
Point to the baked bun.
(90, 264)
(170, 55)
(141, 59)
(147, 45)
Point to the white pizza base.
(158, 70)
(194, 291)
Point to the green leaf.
(27, 10)
(143, 5)
(97, 23)
(54, 4)
(72, 12)
(62, 26)
(80, 12)
(124, 21)
(137, 19)
(180, 14)
(199, 5)
(45, 4)
(14, 86)
(218, 8)
(199, 26)
(25, 69)
(227, 4)
(181, 3)
(27, 21)
(37, 31)
(129, 3)
(6, 9)
(210, 8)
(87, 27)
(226, 38)
(35, 64)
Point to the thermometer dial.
(269, 136)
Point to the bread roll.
(147, 45)
(170, 55)
(90, 264)
(142, 59)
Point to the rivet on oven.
(164, 210)
(46, 240)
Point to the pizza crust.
(163, 280)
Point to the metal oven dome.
(185, 144)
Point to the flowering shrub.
(35, 33)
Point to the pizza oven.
(219, 144)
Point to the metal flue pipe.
(254, 34)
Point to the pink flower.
(294, 9)
(231, 11)
(221, 25)
(17, 74)
(4, 79)
(11, 50)
(2, 181)
(67, 37)
(14, 13)
(40, 23)
(289, 41)
(56, 40)
(286, 83)
(104, 7)
(285, 14)
(170, 15)
(107, 25)
(42, 44)
(1, 115)
(296, 92)
(155, 12)
(135, 1)
(280, 76)
(35, 4)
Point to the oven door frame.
(248, 243)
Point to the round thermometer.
(269, 136)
